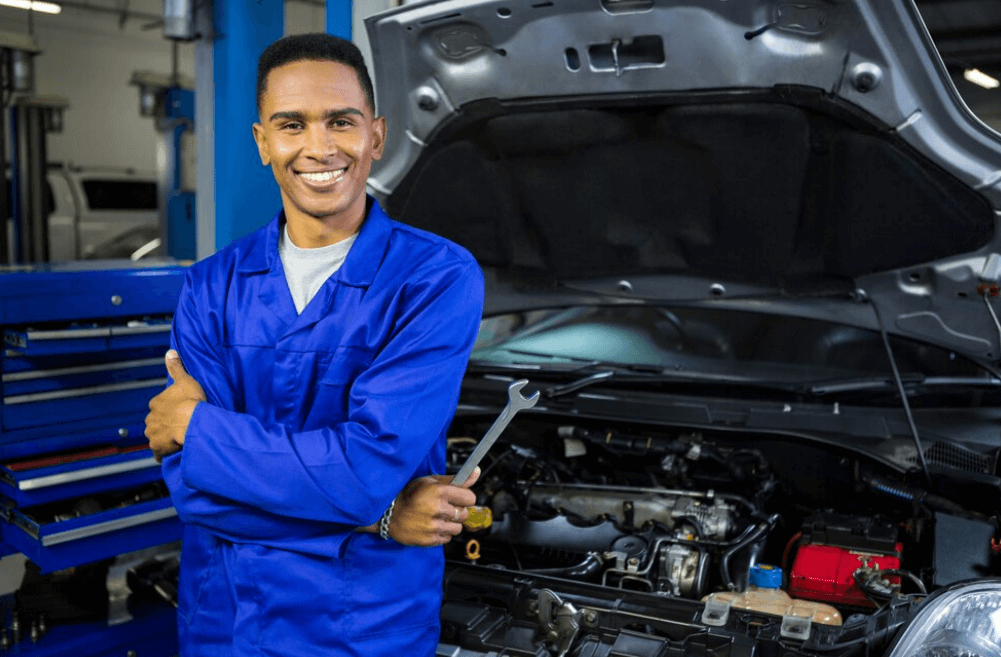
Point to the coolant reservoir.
(764, 595)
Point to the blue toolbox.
(83, 354)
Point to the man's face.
(319, 135)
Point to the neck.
(308, 232)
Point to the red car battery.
(833, 548)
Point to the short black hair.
(315, 47)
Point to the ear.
(262, 144)
(378, 137)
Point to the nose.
(320, 143)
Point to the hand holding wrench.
(516, 402)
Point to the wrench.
(515, 402)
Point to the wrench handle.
(489, 438)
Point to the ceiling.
(968, 35)
(967, 32)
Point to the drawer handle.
(82, 369)
(69, 334)
(96, 332)
(108, 526)
(86, 473)
(82, 392)
(137, 330)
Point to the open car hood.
(811, 157)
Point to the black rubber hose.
(751, 534)
(589, 566)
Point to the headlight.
(960, 621)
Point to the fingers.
(456, 496)
(430, 510)
(449, 528)
(459, 514)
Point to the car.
(139, 243)
(91, 205)
(747, 253)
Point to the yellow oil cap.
(480, 517)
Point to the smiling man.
(322, 358)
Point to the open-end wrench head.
(518, 400)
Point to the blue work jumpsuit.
(314, 423)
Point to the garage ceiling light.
(35, 5)
(978, 77)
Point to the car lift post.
(171, 103)
(236, 194)
(339, 18)
(34, 116)
(17, 52)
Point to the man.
(322, 358)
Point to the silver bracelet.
(384, 522)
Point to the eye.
(341, 123)
(290, 125)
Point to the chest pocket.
(343, 366)
(334, 376)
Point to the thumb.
(473, 476)
(174, 366)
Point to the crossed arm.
(427, 512)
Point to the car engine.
(598, 540)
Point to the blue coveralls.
(314, 423)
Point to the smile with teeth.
(323, 176)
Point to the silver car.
(749, 254)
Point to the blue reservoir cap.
(765, 577)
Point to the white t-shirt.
(306, 270)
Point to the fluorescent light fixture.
(34, 5)
(978, 77)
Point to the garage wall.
(89, 60)
(301, 18)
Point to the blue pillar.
(339, 18)
(243, 193)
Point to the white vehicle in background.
(89, 206)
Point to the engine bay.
(597, 539)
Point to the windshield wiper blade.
(584, 382)
(841, 386)
(650, 374)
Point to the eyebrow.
(329, 114)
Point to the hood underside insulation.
(756, 191)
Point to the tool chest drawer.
(56, 338)
(82, 530)
(56, 389)
(40, 480)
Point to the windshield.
(740, 345)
